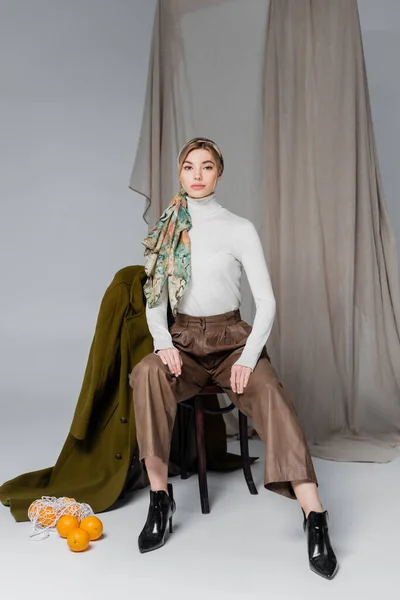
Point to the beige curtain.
(291, 112)
(331, 249)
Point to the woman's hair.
(205, 143)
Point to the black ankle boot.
(162, 507)
(321, 556)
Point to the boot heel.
(170, 491)
(171, 497)
(304, 520)
(173, 506)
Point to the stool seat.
(196, 405)
(207, 391)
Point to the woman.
(195, 255)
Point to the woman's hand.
(172, 358)
(239, 378)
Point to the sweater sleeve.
(158, 322)
(253, 261)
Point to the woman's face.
(199, 174)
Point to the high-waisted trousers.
(209, 346)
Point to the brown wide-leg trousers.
(209, 346)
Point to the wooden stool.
(196, 406)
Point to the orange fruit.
(93, 526)
(33, 508)
(65, 524)
(47, 516)
(78, 540)
(70, 510)
(74, 509)
(65, 500)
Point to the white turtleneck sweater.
(221, 244)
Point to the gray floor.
(249, 546)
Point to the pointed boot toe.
(325, 567)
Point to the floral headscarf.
(168, 254)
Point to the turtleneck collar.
(206, 206)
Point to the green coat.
(98, 462)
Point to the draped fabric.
(332, 252)
(291, 112)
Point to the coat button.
(123, 420)
(118, 455)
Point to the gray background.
(73, 78)
(380, 26)
(72, 82)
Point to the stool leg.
(244, 450)
(201, 455)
